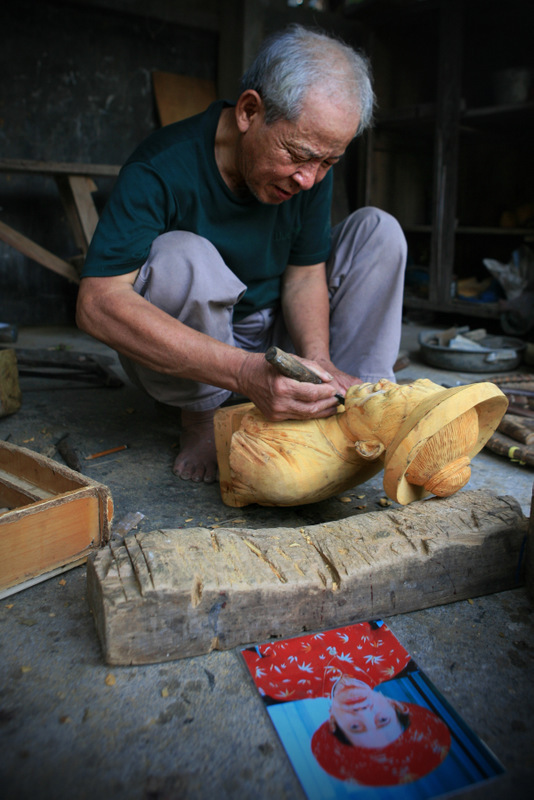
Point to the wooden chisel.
(291, 367)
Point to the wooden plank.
(76, 194)
(529, 568)
(58, 168)
(180, 96)
(197, 590)
(12, 484)
(82, 189)
(43, 537)
(38, 472)
(37, 253)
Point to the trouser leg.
(365, 275)
(366, 284)
(186, 277)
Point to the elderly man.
(216, 244)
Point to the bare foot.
(197, 460)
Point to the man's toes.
(212, 474)
(183, 470)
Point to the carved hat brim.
(429, 417)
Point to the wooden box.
(51, 517)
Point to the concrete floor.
(196, 728)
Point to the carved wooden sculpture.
(422, 435)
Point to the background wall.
(75, 85)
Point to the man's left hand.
(340, 380)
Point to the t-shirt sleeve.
(139, 209)
(312, 242)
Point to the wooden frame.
(51, 518)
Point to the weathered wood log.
(169, 594)
(506, 446)
(518, 428)
(10, 394)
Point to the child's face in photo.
(366, 717)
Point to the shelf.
(465, 308)
(424, 113)
(444, 158)
(478, 231)
(472, 230)
(498, 118)
(408, 115)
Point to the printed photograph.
(357, 717)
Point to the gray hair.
(296, 59)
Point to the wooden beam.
(76, 194)
(171, 594)
(37, 253)
(58, 168)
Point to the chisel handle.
(290, 366)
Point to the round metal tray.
(504, 353)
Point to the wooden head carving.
(424, 436)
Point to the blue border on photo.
(469, 761)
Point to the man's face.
(277, 161)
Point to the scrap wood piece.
(66, 365)
(504, 445)
(168, 594)
(514, 377)
(519, 428)
(69, 453)
(37, 253)
(181, 96)
(76, 194)
(10, 394)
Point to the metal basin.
(500, 354)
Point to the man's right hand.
(279, 397)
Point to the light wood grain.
(55, 517)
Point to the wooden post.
(10, 394)
(446, 150)
(169, 594)
(529, 568)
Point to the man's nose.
(306, 175)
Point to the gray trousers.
(185, 276)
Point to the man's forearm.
(110, 310)
(139, 330)
(306, 310)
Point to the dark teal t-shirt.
(172, 182)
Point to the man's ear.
(248, 107)
(370, 450)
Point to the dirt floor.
(73, 727)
